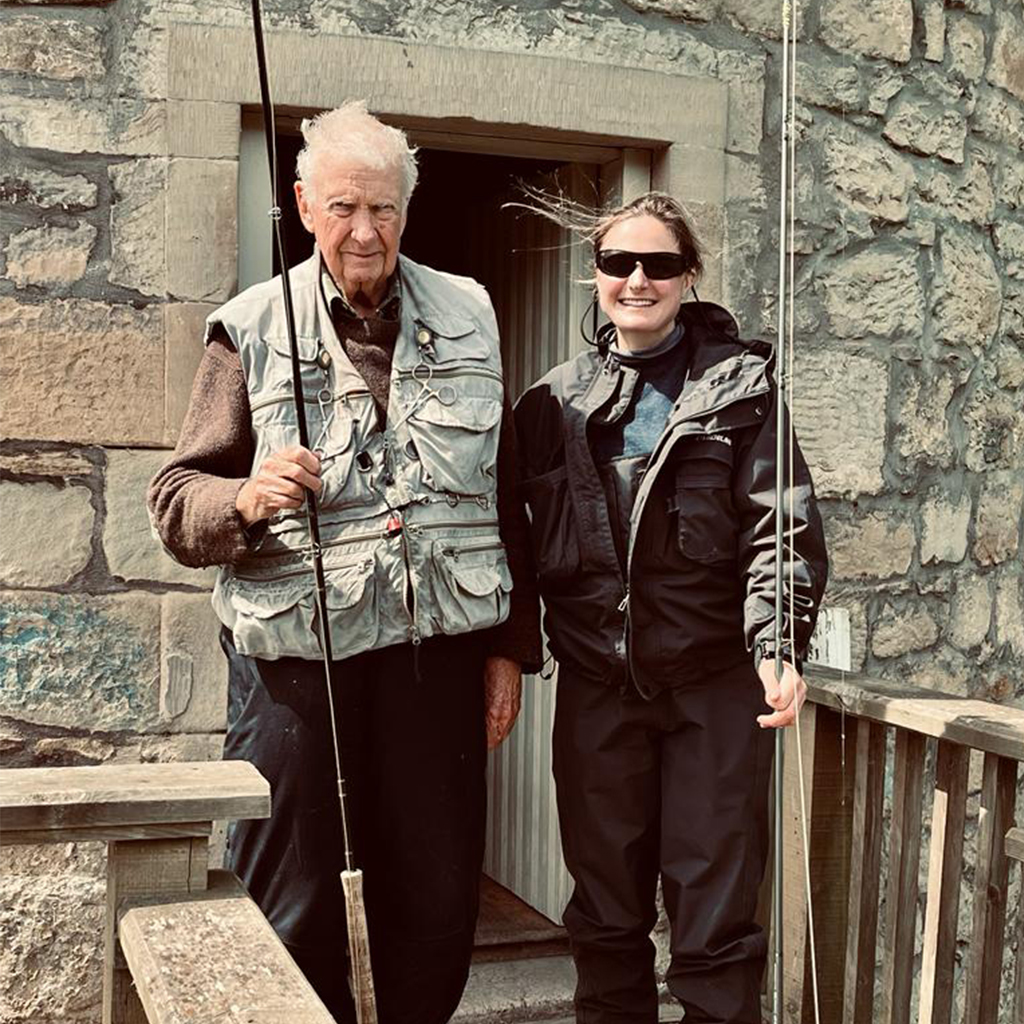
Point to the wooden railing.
(883, 760)
(181, 942)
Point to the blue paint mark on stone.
(78, 661)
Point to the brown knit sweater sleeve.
(192, 499)
(518, 637)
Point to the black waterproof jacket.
(698, 589)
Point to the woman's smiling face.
(643, 310)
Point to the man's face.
(355, 213)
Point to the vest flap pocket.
(347, 584)
(308, 347)
(265, 599)
(467, 412)
(471, 584)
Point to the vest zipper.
(397, 526)
(309, 400)
(454, 371)
(354, 539)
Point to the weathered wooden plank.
(213, 956)
(991, 874)
(945, 866)
(865, 871)
(991, 728)
(131, 794)
(829, 800)
(901, 888)
(106, 833)
(148, 867)
(1014, 844)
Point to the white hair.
(352, 131)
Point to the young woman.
(649, 473)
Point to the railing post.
(143, 867)
(828, 757)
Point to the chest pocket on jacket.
(703, 499)
(456, 436)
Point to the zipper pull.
(624, 602)
(415, 637)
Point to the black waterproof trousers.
(677, 787)
(414, 750)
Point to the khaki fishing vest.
(408, 514)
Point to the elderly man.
(432, 610)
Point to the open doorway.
(532, 270)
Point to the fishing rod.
(360, 972)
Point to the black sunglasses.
(658, 266)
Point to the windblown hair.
(352, 131)
(592, 226)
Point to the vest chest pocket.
(707, 528)
(457, 442)
(352, 606)
(471, 584)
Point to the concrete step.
(537, 990)
(518, 991)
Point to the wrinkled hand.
(503, 685)
(279, 483)
(781, 698)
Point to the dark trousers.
(413, 751)
(676, 787)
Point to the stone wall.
(118, 235)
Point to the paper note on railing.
(830, 642)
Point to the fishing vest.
(408, 513)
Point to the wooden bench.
(190, 938)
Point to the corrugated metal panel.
(540, 304)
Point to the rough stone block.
(51, 48)
(51, 934)
(117, 126)
(193, 670)
(933, 16)
(890, 276)
(840, 402)
(875, 545)
(183, 340)
(944, 523)
(828, 82)
(867, 174)
(138, 256)
(997, 521)
(1009, 176)
(685, 10)
(47, 533)
(46, 463)
(745, 124)
(80, 662)
(133, 553)
(922, 428)
(1010, 611)
(967, 197)
(898, 632)
(1006, 68)
(884, 83)
(762, 16)
(926, 126)
(877, 28)
(946, 670)
(966, 40)
(968, 291)
(1009, 239)
(198, 129)
(995, 429)
(999, 118)
(202, 236)
(49, 256)
(110, 385)
(1009, 364)
(970, 613)
(46, 189)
